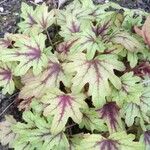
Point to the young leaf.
(29, 52)
(7, 136)
(6, 77)
(145, 31)
(62, 106)
(111, 115)
(96, 73)
(116, 141)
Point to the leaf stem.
(49, 38)
(69, 126)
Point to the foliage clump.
(85, 86)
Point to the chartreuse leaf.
(62, 106)
(6, 77)
(76, 10)
(131, 20)
(91, 121)
(7, 136)
(133, 47)
(130, 91)
(29, 51)
(35, 20)
(35, 134)
(75, 141)
(111, 115)
(93, 39)
(71, 28)
(49, 78)
(96, 73)
(116, 141)
(133, 111)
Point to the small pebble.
(1, 9)
(38, 1)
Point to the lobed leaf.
(29, 51)
(35, 20)
(62, 106)
(116, 141)
(96, 73)
(49, 78)
(91, 121)
(131, 90)
(111, 115)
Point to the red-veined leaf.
(29, 51)
(96, 73)
(35, 86)
(62, 106)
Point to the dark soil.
(135, 4)
(8, 23)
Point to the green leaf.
(93, 39)
(91, 121)
(116, 141)
(96, 73)
(141, 111)
(29, 51)
(130, 91)
(35, 134)
(35, 20)
(62, 106)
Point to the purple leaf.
(110, 113)
(108, 144)
(75, 27)
(147, 137)
(142, 69)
